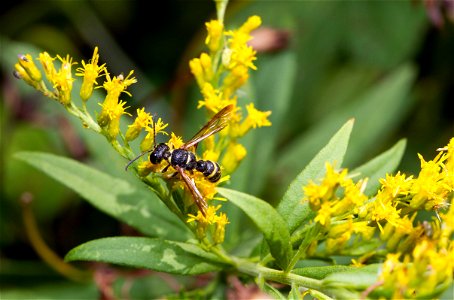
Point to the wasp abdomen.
(209, 169)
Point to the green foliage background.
(382, 63)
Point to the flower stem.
(43, 250)
(256, 270)
(85, 118)
(221, 5)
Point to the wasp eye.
(155, 158)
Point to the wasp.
(184, 159)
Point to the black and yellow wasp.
(183, 159)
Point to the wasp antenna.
(154, 131)
(135, 158)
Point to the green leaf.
(356, 279)
(272, 291)
(269, 222)
(269, 93)
(321, 272)
(291, 208)
(150, 253)
(378, 167)
(139, 208)
(295, 294)
(379, 112)
(273, 94)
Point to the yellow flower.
(142, 121)
(118, 84)
(48, 65)
(213, 99)
(90, 73)
(382, 208)
(254, 119)
(202, 69)
(28, 65)
(175, 141)
(148, 142)
(234, 154)
(203, 221)
(252, 23)
(241, 36)
(215, 33)
(317, 194)
(114, 87)
(398, 233)
(449, 157)
(113, 113)
(219, 233)
(430, 190)
(21, 73)
(324, 214)
(238, 57)
(236, 78)
(363, 228)
(206, 187)
(257, 118)
(420, 273)
(396, 185)
(145, 168)
(63, 80)
(242, 56)
(210, 155)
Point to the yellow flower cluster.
(336, 199)
(400, 197)
(61, 80)
(220, 74)
(204, 222)
(421, 254)
(426, 250)
(427, 268)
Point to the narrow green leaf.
(295, 294)
(379, 112)
(139, 208)
(273, 94)
(291, 208)
(321, 272)
(270, 93)
(268, 221)
(378, 167)
(355, 279)
(155, 254)
(272, 291)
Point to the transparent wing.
(218, 122)
(196, 195)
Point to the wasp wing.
(198, 198)
(218, 122)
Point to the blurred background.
(389, 65)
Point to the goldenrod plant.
(387, 239)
